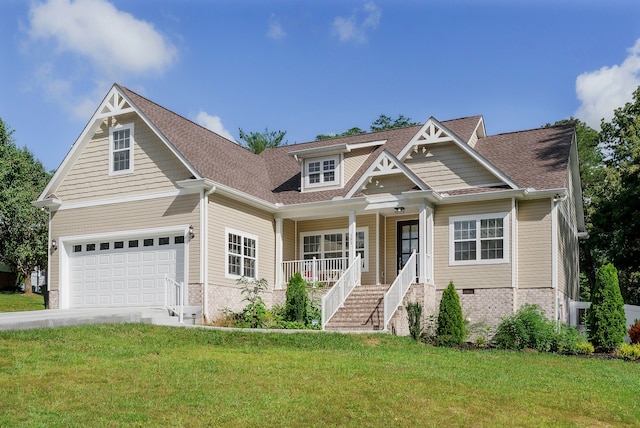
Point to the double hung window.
(479, 239)
(121, 149)
(322, 172)
(334, 244)
(241, 254)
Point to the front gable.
(119, 154)
(444, 162)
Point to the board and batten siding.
(155, 167)
(138, 215)
(493, 275)
(446, 167)
(228, 213)
(534, 244)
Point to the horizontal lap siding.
(534, 244)
(156, 168)
(467, 276)
(447, 167)
(225, 212)
(353, 161)
(149, 214)
(289, 240)
(568, 269)
(389, 184)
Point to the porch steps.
(362, 311)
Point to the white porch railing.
(335, 298)
(174, 297)
(315, 270)
(394, 295)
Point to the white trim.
(377, 264)
(243, 235)
(345, 233)
(352, 236)
(333, 149)
(279, 256)
(125, 199)
(554, 244)
(422, 242)
(130, 148)
(514, 244)
(66, 242)
(430, 246)
(477, 217)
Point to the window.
(163, 241)
(322, 172)
(77, 248)
(121, 149)
(241, 254)
(178, 240)
(118, 244)
(91, 247)
(148, 242)
(133, 243)
(104, 245)
(334, 244)
(478, 239)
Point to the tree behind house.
(257, 142)
(23, 227)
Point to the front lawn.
(13, 302)
(143, 375)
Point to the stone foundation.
(195, 294)
(54, 300)
(421, 293)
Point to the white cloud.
(113, 40)
(602, 91)
(355, 27)
(213, 123)
(276, 32)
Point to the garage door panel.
(110, 276)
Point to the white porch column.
(422, 243)
(279, 281)
(352, 236)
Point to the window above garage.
(121, 143)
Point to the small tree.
(414, 315)
(451, 330)
(258, 141)
(605, 317)
(297, 300)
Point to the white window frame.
(345, 234)
(337, 172)
(243, 235)
(112, 149)
(478, 239)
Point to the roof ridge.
(541, 128)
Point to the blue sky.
(313, 67)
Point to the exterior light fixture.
(54, 245)
(399, 210)
(191, 234)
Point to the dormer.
(323, 168)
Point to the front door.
(408, 239)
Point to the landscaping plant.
(634, 332)
(629, 352)
(414, 315)
(605, 317)
(297, 300)
(527, 328)
(253, 315)
(451, 330)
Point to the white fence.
(335, 298)
(314, 270)
(395, 294)
(174, 297)
(578, 310)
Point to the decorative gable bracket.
(114, 104)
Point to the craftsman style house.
(146, 194)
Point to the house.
(144, 193)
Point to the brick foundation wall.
(543, 297)
(54, 301)
(195, 294)
(421, 293)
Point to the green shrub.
(450, 330)
(414, 315)
(297, 300)
(527, 328)
(629, 352)
(605, 317)
(585, 348)
(568, 339)
(254, 314)
(634, 332)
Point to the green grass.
(142, 375)
(13, 302)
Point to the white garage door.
(124, 272)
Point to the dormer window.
(121, 149)
(322, 172)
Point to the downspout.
(204, 249)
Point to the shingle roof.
(533, 159)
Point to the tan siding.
(289, 240)
(156, 168)
(473, 140)
(534, 244)
(447, 167)
(353, 161)
(389, 184)
(568, 268)
(154, 213)
(225, 212)
(468, 276)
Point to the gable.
(445, 166)
(156, 169)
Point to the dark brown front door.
(408, 239)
